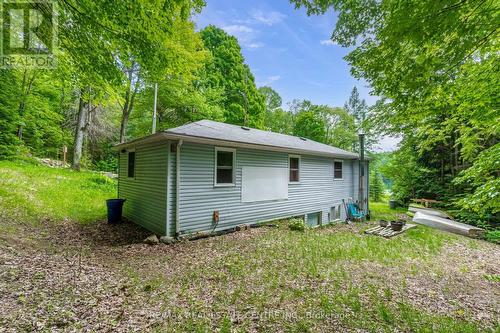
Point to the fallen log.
(448, 225)
(429, 211)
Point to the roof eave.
(164, 136)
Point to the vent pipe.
(153, 130)
(361, 195)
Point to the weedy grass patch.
(89, 274)
(30, 192)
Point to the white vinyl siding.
(199, 198)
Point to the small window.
(131, 164)
(294, 168)
(224, 162)
(337, 169)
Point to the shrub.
(493, 236)
(297, 224)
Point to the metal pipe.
(153, 131)
(169, 186)
(177, 185)
(361, 194)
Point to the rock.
(151, 240)
(167, 240)
(242, 227)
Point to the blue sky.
(288, 50)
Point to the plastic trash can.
(392, 204)
(115, 207)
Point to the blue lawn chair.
(353, 212)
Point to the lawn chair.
(354, 213)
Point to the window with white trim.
(294, 168)
(337, 169)
(224, 166)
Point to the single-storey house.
(210, 176)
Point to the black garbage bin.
(115, 210)
(392, 204)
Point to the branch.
(481, 43)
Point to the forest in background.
(434, 65)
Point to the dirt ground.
(101, 277)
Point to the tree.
(271, 97)
(340, 128)
(9, 116)
(377, 187)
(435, 66)
(31, 114)
(241, 101)
(333, 126)
(109, 42)
(276, 119)
(356, 107)
(310, 125)
(182, 62)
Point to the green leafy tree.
(310, 125)
(176, 78)
(484, 178)
(340, 128)
(435, 65)
(9, 117)
(333, 126)
(276, 119)
(272, 98)
(227, 72)
(377, 187)
(356, 107)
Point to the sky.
(289, 51)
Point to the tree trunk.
(79, 133)
(22, 105)
(127, 108)
(125, 114)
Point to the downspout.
(169, 187)
(119, 176)
(368, 189)
(361, 194)
(177, 185)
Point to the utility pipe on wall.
(177, 185)
(361, 195)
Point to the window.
(131, 164)
(224, 166)
(337, 169)
(293, 168)
(335, 212)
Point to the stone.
(151, 240)
(167, 240)
(242, 227)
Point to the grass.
(381, 211)
(30, 192)
(333, 278)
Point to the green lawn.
(81, 273)
(30, 192)
(381, 211)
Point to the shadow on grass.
(98, 233)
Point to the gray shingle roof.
(225, 132)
